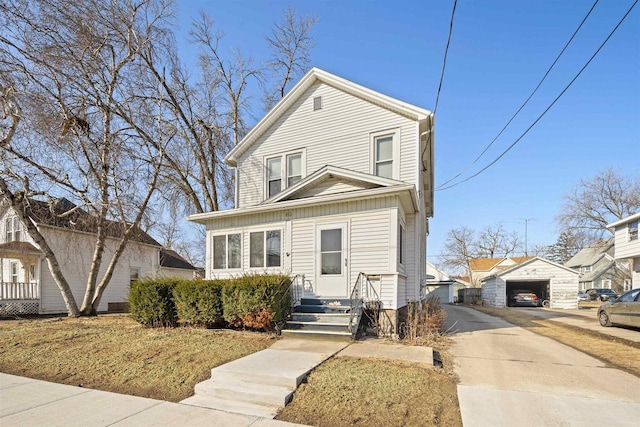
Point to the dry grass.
(114, 353)
(349, 391)
(614, 351)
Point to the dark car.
(522, 298)
(601, 294)
(622, 311)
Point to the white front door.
(331, 249)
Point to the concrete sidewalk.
(29, 402)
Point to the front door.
(331, 249)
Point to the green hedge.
(256, 301)
(251, 301)
(199, 302)
(151, 302)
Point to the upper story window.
(633, 230)
(283, 171)
(386, 153)
(585, 269)
(13, 228)
(274, 176)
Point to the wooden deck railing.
(19, 291)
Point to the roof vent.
(317, 103)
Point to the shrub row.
(251, 301)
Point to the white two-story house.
(334, 181)
(627, 243)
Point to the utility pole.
(526, 248)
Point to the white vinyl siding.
(339, 136)
(626, 248)
(371, 248)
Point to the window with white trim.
(265, 249)
(585, 269)
(401, 243)
(633, 230)
(227, 252)
(283, 171)
(606, 283)
(385, 153)
(15, 271)
(13, 229)
(134, 275)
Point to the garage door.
(539, 287)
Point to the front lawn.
(114, 353)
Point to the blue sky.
(499, 51)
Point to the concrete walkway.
(510, 376)
(262, 383)
(28, 402)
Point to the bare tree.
(291, 44)
(459, 249)
(75, 73)
(496, 241)
(598, 201)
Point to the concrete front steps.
(320, 318)
(262, 383)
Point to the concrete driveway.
(510, 376)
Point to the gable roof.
(62, 213)
(317, 75)
(482, 264)
(328, 172)
(171, 259)
(635, 217)
(525, 263)
(486, 264)
(590, 255)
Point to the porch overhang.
(407, 193)
(19, 250)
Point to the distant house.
(479, 268)
(26, 283)
(627, 245)
(599, 269)
(442, 285)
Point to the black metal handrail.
(362, 291)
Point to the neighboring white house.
(627, 244)
(549, 281)
(26, 283)
(335, 180)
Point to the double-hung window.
(227, 251)
(385, 153)
(283, 171)
(294, 169)
(13, 229)
(265, 249)
(633, 230)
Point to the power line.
(444, 65)
(527, 100)
(549, 107)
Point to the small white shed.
(549, 281)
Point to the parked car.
(522, 298)
(583, 296)
(621, 311)
(601, 294)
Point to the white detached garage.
(549, 281)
